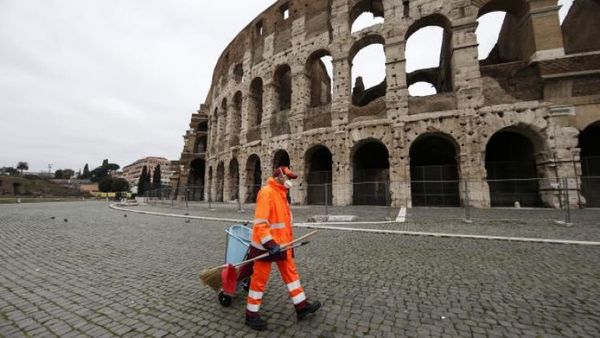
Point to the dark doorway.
(195, 189)
(589, 143)
(281, 158)
(511, 170)
(253, 178)
(234, 179)
(434, 172)
(319, 164)
(371, 174)
(220, 182)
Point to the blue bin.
(238, 242)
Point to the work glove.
(275, 250)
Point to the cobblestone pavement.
(103, 274)
(508, 222)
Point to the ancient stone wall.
(529, 93)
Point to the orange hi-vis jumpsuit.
(273, 225)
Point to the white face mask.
(288, 184)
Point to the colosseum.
(510, 127)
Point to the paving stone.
(105, 275)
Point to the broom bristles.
(212, 277)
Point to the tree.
(156, 179)
(142, 181)
(22, 166)
(86, 172)
(64, 174)
(111, 184)
(58, 174)
(104, 171)
(9, 171)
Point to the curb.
(330, 226)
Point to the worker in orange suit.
(272, 228)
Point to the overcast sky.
(85, 80)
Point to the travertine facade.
(534, 102)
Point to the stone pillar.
(564, 140)
(342, 93)
(299, 99)
(399, 176)
(546, 33)
(270, 102)
(226, 182)
(342, 178)
(397, 91)
(242, 171)
(466, 78)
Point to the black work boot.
(256, 323)
(307, 310)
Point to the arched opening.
(195, 185)
(429, 53)
(234, 179)
(422, 88)
(220, 182)
(319, 70)
(589, 143)
(564, 9)
(283, 87)
(434, 171)
(370, 164)
(511, 170)
(319, 168)
(365, 14)
(501, 32)
(281, 158)
(253, 178)
(256, 102)
(368, 70)
(236, 117)
(201, 138)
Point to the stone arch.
(195, 186)
(510, 45)
(434, 170)
(370, 171)
(319, 81)
(282, 82)
(589, 143)
(375, 7)
(220, 182)
(362, 96)
(281, 158)
(255, 108)
(253, 178)
(236, 116)
(234, 179)
(318, 162)
(512, 168)
(441, 76)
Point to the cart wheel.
(224, 299)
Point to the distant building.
(132, 172)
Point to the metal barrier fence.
(552, 198)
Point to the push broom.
(226, 274)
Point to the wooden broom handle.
(284, 247)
